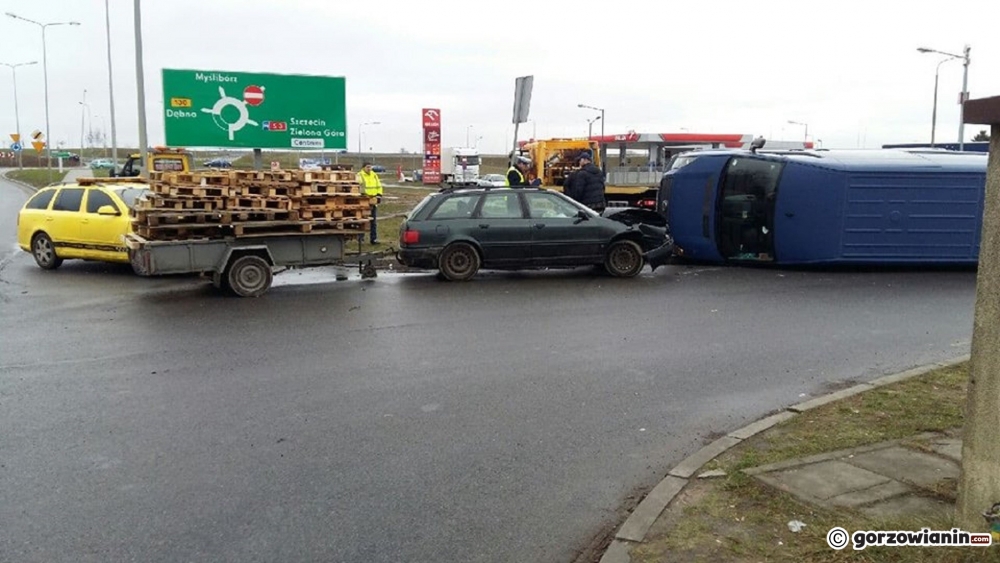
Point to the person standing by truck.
(372, 186)
(517, 174)
(586, 185)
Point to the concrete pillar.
(654, 155)
(979, 487)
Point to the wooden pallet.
(257, 215)
(335, 201)
(204, 231)
(196, 178)
(324, 176)
(295, 227)
(331, 214)
(154, 201)
(329, 188)
(192, 191)
(262, 175)
(268, 189)
(155, 218)
(245, 202)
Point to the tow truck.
(553, 160)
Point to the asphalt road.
(403, 418)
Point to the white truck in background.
(460, 166)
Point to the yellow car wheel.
(45, 252)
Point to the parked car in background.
(378, 168)
(460, 230)
(493, 180)
(102, 164)
(219, 162)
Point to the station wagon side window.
(501, 206)
(40, 200)
(97, 199)
(69, 199)
(543, 205)
(456, 207)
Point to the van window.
(40, 200)
(69, 199)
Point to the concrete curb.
(633, 531)
(29, 187)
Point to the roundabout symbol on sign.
(16, 147)
(241, 107)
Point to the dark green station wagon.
(458, 231)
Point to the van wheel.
(459, 261)
(249, 276)
(624, 259)
(45, 252)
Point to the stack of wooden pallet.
(241, 203)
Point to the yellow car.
(78, 221)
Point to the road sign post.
(255, 111)
(522, 104)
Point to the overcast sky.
(848, 68)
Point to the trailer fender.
(234, 253)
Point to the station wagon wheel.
(45, 252)
(249, 276)
(624, 259)
(459, 261)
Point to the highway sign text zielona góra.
(203, 108)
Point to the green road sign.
(209, 108)
(61, 154)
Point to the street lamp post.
(111, 87)
(17, 114)
(360, 148)
(595, 109)
(590, 126)
(604, 163)
(45, 72)
(963, 96)
(806, 136)
(467, 130)
(83, 107)
(141, 94)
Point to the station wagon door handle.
(484, 226)
(539, 225)
(789, 214)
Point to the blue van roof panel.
(867, 160)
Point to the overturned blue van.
(882, 206)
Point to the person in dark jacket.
(586, 185)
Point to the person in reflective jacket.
(517, 175)
(371, 184)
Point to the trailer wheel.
(249, 276)
(459, 261)
(624, 259)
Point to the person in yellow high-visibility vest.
(372, 186)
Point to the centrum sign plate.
(212, 108)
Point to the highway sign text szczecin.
(210, 108)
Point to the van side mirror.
(107, 210)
